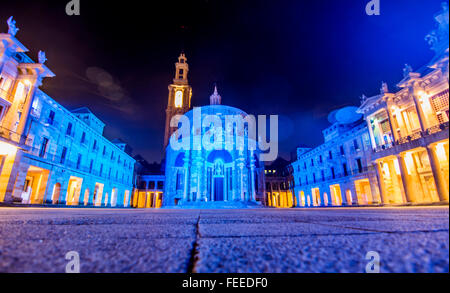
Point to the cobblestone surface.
(408, 239)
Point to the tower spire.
(181, 70)
(215, 98)
(180, 94)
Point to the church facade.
(226, 175)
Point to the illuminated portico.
(409, 129)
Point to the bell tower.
(180, 94)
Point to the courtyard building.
(48, 154)
(337, 172)
(278, 188)
(409, 128)
(150, 181)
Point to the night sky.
(296, 59)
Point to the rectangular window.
(1, 112)
(314, 177)
(51, 118)
(320, 159)
(63, 155)
(160, 185)
(355, 144)
(101, 169)
(312, 162)
(342, 150)
(344, 167)
(330, 155)
(323, 175)
(91, 165)
(333, 174)
(359, 163)
(104, 150)
(43, 148)
(79, 161)
(83, 137)
(94, 146)
(69, 129)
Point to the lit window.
(179, 99)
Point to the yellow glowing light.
(27, 82)
(7, 149)
(409, 162)
(440, 152)
(386, 169)
(397, 167)
(179, 99)
(422, 95)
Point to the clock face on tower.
(178, 99)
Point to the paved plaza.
(408, 239)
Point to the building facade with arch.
(339, 171)
(409, 127)
(221, 176)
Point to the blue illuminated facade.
(218, 177)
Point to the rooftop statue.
(407, 70)
(384, 88)
(363, 99)
(41, 57)
(12, 27)
(437, 39)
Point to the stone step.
(217, 205)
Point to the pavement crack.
(194, 252)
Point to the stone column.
(390, 124)
(416, 177)
(14, 184)
(234, 181)
(186, 180)
(420, 114)
(241, 180)
(252, 178)
(395, 179)
(390, 118)
(372, 136)
(26, 108)
(375, 192)
(409, 192)
(437, 174)
(381, 186)
(199, 178)
(225, 183)
(354, 193)
(240, 164)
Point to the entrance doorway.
(218, 189)
(74, 190)
(98, 193)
